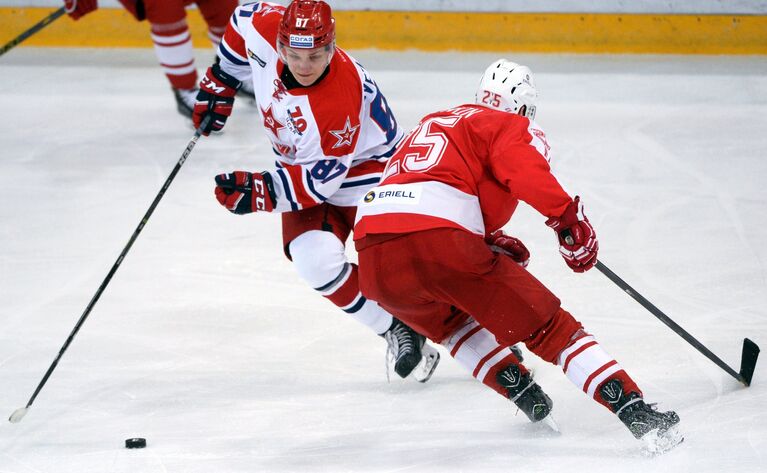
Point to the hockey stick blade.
(748, 361)
(750, 350)
(17, 415)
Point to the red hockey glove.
(215, 98)
(508, 245)
(577, 240)
(243, 192)
(77, 8)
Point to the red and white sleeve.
(232, 50)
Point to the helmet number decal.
(302, 22)
(491, 98)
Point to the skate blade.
(656, 443)
(549, 422)
(425, 368)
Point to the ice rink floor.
(207, 344)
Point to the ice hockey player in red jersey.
(431, 251)
(171, 37)
(332, 132)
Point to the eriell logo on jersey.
(393, 194)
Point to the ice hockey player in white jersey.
(431, 252)
(332, 131)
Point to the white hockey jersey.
(333, 138)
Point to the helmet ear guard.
(508, 87)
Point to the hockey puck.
(135, 443)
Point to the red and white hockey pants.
(448, 285)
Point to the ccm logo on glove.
(243, 192)
(215, 98)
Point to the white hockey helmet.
(508, 87)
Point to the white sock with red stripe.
(344, 292)
(173, 48)
(588, 367)
(477, 350)
(563, 342)
(320, 260)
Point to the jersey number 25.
(423, 147)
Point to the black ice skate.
(185, 99)
(410, 352)
(527, 395)
(658, 430)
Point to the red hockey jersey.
(467, 167)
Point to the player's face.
(307, 65)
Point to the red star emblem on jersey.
(270, 122)
(346, 135)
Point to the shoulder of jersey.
(461, 110)
(483, 119)
(264, 16)
(493, 115)
(344, 84)
(336, 105)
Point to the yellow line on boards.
(443, 31)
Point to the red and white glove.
(577, 240)
(243, 192)
(215, 98)
(77, 8)
(508, 245)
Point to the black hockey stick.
(750, 349)
(40, 25)
(19, 413)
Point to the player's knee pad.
(318, 257)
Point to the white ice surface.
(207, 344)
